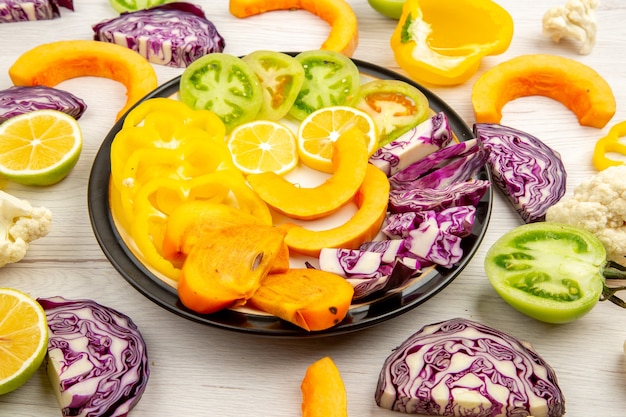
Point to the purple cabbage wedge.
(172, 34)
(97, 359)
(462, 368)
(424, 139)
(27, 10)
(19, 100)
(459, 194)
(529, 173)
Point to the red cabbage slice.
(19, 100)
(455, 220)
(527, 171)
(463, 368)
(97, 358)
(26, 10)
(458, 194)
(425, 138)
(172, 34)
(438, 159)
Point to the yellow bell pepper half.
(610, 144)
(443, 42)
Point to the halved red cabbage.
(425, 138)
(529, 173)
(18, 100)
(97, 358)
(463, 368)
(25, 10)
(172, 34)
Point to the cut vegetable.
(19, 100)
(526, 170)
(350, 162)
(371, 200)
(22, 11)
(577, 86)
(226, 267)
(173, 34)
(323, 391)
(312, 299)
(62, 60)
(344, 33)
(97, 358)
(462, 368)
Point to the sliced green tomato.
(223, 84)
(395, 106)
(389, 8)
(281, 77)
(133, 5)
(549, 271)
(330, 79)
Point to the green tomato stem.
(613, 270)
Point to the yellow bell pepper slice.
(443, 42)
(610, 144)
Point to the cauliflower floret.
(20, 224)
(576, 19)
(599, 206)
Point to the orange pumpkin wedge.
(51, 63)
(323, 391)
(344, 32)
(309, 298)
(371, 200)
(227, 266)
(577, 86)
(350, 161)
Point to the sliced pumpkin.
(577, 86)
(371, 200)
(344, 32)
(323, 391)
(350, 161)
(309, 298)
(51, 63)
(226, 267)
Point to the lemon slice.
(40, 147)
(263, 146)
(320, 129)
(23, 338)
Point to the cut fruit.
(323, 127)
(39, 147)
(23, 338)
(263, 146)
(323, 391)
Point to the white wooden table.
(199, 370)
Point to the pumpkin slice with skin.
(344, 32)
(577, 86)
(323, 391)
(309, 298)
(59, 61)
(371, 199)
(226, 267)
(350, 161)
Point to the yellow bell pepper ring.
(610, 144)
(443, 42)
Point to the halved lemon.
(40, 147)
(263, 146)
(320, 129)
(23, 338)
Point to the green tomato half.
(389, 8)
(549, 271)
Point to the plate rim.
(162, 294)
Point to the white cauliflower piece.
(576, 19)
(599, 206)
(20, 224)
